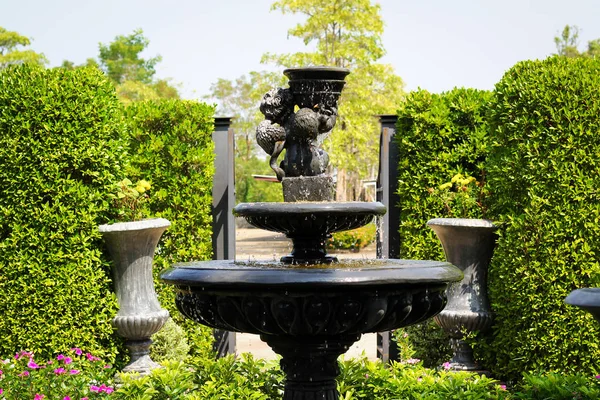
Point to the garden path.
(258, 244)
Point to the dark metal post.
(223, 238)
(388, 238)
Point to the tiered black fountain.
(310, 307)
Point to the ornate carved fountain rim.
(343, 275)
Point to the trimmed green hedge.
(354, 240)
(61, 151)
(543, 173)
(171, 147)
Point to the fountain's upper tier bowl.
(316, 85)
(309, 218)
(347, 298)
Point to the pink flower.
(412, 361)
(446, 365)
(107, 366)
(1, 372)
(60, 357)
(503, 387)
(84, 398)
(1, 390)
(77, 351)
(101, 389)
(91, 357)
(74, 371)
(597, 376)
(59, 371)
(39, 397)
(66, 398)
(24, 373)
(68, 360)
(31, 364)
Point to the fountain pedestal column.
(310, 364)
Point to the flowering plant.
(462, 197)
(74, 376)
(129, 198)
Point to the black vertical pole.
(223, 192)
(223, 237)
(388, 238)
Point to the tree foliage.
(347, 34)
(10, 42)
(121, 60)
(567, 44)
(132, 74)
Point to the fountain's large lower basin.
(351, 297)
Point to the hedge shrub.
(171, 146)
(438, 136)
(60, 152)
(354, 239)
(543, 173)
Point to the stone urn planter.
(469, 245)
(131, 246)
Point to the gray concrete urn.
(131, 246)
(469, 245)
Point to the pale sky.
(432, 44)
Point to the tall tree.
(132, 75)
(347, 33)
(122, 62)
(567, 44)
(9, 50)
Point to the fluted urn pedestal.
(469, 245)
(131, 246)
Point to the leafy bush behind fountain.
(543, 171)
(64, 143)
(536, 139)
